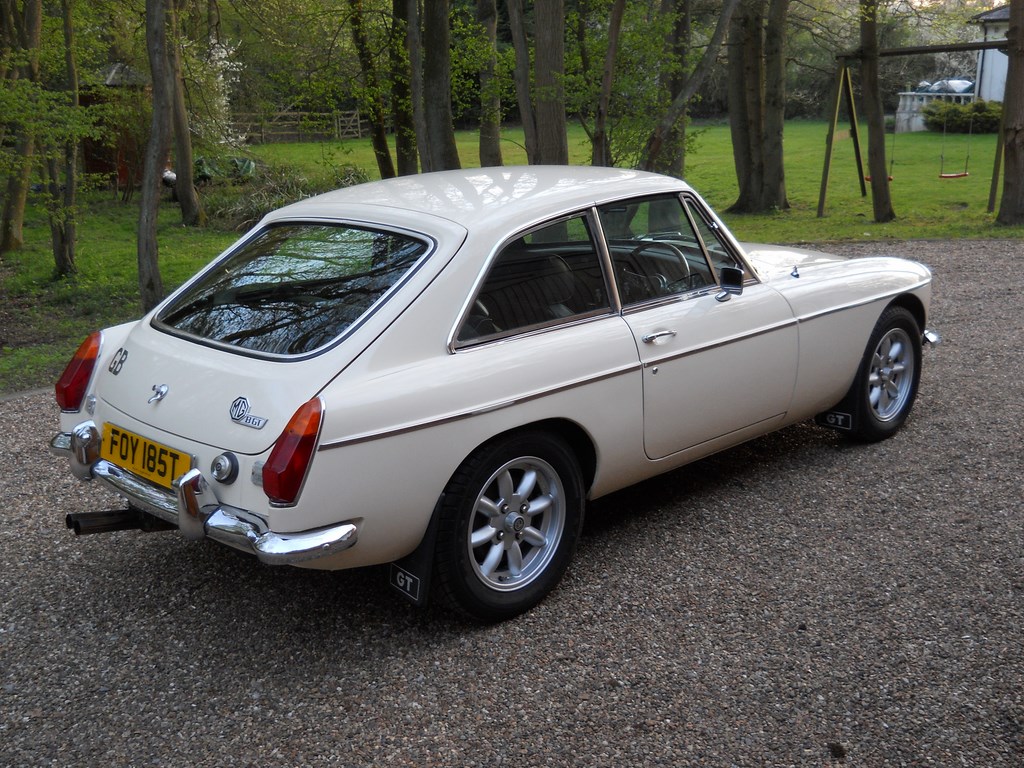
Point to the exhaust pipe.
(114, 520)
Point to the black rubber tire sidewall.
(456, 582)
(869, 428)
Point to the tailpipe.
(114, 520)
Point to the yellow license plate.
(140, 456)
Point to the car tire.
(887, 379)
(509, 523)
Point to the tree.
(757, 88)
(439, 152)
(873, 112)
(21, 33)
(63, 186)
(150, 283)
(549, 88)
(601, 151)
(1011, 206)
(490, 95)
(372, 95)
(406, 151)
(657, 154)
(540, 89)
(185, 189)
(522, 77)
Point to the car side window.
(548, 276)
(654, 248)
(718, 252)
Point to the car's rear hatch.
(229, 359)
(210, 396)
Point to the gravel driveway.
(796, 601)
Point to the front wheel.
(888, 376)
(509, 524)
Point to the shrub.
(240, 201)
(977, 117)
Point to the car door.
(711, 367)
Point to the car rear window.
(294, 288)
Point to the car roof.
(496, 196)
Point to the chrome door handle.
(652, 337)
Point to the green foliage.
(237, 201)
(976, 117)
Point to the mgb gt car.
(437, 372)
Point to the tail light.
(74, 382)
(286, 468)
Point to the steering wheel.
(660, 282)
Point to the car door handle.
(650, 338)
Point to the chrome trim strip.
(863, 302)
(484, 409)
(224, 524)
(721, 343)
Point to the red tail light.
(286, 468)
(74, 382)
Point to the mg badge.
(239, 412)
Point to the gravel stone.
(797, 601)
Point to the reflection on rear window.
(294, 288)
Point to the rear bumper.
(194, 509)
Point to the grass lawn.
(42, 320)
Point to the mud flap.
(411, 575)
(843, 416)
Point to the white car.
(438, 371)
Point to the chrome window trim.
(692, 200)
(432, 248)
(456, 347)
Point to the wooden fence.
(299, 126)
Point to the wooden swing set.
(844, 93)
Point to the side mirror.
(731, 279)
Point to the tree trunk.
(521, 75)
(880, 197)
(403, 112)
(677, 48)
(372, 98)
(12, 220)
(1011, 205)
(490, 94)
(192, 214)
(601, 151)
(151, 287)
(437, 92)
(746, 102)
(549, 86)
(663, 131)
(414, 44)
(757, 103)
(773, 192)
(62, 212)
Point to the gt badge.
(239, 412)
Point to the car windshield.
(294, 288)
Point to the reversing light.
(74, 382)
(286, 468)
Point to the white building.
(989, 82)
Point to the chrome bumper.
(194, 508)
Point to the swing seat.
(868, 178)
(960, 175)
